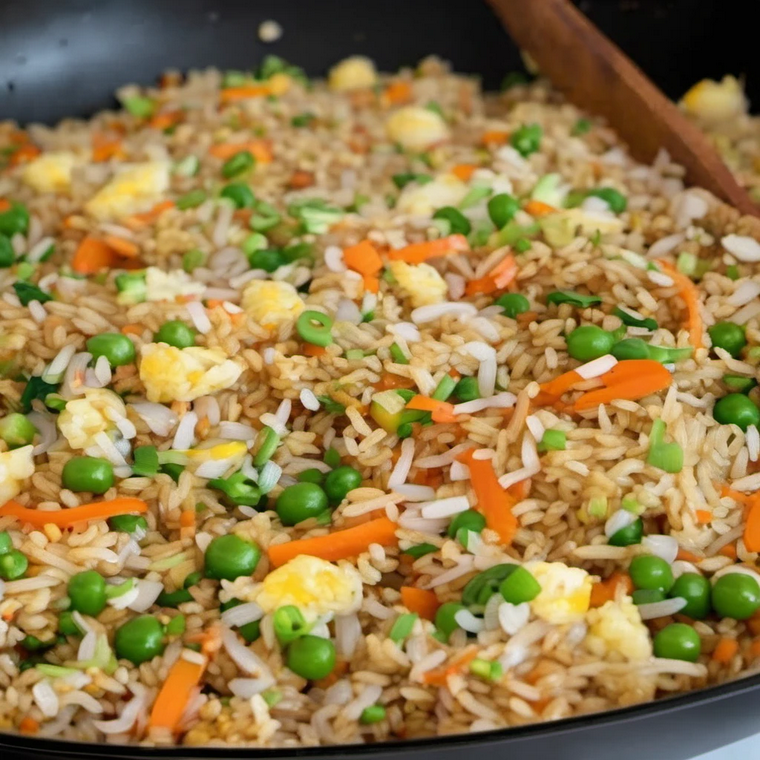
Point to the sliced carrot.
(690, 295)
(309, 349)
(632, 379)
(494, 137)
(397, 93)
(755, 648)
(363, 258)
(261, 150)
(28, 725)
(92, 255)
(417, 253)
(371, 283)
(24, 154)
(520, 490)
(539, 208)
(752, 527)
(493, 501)
(422, 601)
(464, 171)
(340, 669)
(442, 411)
(104, 148)
(497, 279)
(65, 518)
(148, 217)
(340, 544)
(133, 329)
(389, 381)
(440, 676)
(300, 179)
(4, 205)
(122, 246)
(166, 120)
(703, 516)
(729, 550)
(686, 556)
(725, 650)
(605, 591)
(178, 688)
(187, 518)
(236, 94)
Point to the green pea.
(695, 589)
(254, 242)
(139, 640)
(13, 565)
(240, 194)
(311, 657)
(312, 475)
(87, 591)
(678, 641)
(589, 342)
(631, 534)
(228, 557)
(459, 224)
(117, 348)
(728, 336)
(299, 502)
(314, 327)
(734, 595)
(7, 254)
(6, 543)
(87, 474)
(191, 260)
(66, 624)
(128, 523)
(648, 595)
(176, 333)
(339, 482)
(520, 586)
(467, 389)
(238, 164)
(468, 520)
(651, 572)
(445, 618)
(736, 409)
(268, 259)
(527, 139)
(502, 208)
(372, 714)
(13, 220)
(16, 430)
(513, 304)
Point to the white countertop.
(749, 747)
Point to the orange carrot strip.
(729, 550)
(422, 601)
(752, 527)
(631, 379)
(552, 390)
(742, 498)
(703, 516)
(690, 295)
(494, 137)
(236, 94)
(122, 246)
(92, 255)
(259, 149)
(464, 171)
(4, 205)
(497, 279)
(65, 518)
(416, 253)
(104, 149)
(605, 591)
(397, 92)
(371, 283)
(166, 120)
(28, 725)
(24, 154)
(148, 217)
(686, 556)
(442, 411)
(539, 208)
(363, 258)
(439, 676)
(187, 518)
(309, 349)
(300, 179)
(184, 676)
(340, 544)
(493, 501)
(755, 648)
(132, 329)
(725, 651)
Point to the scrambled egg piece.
(50, 172)
(270, 303)
(233, 450)
(131, 191)
(423, 200)
(185, 374)
(15, 467)
(85, 416)
(618, 628)
(420, 282)
(716, 101)
(166, 286)
(354, 73)
(416, 128)
(565, 592)
(315, 586)
(279, 84)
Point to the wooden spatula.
(595, 74)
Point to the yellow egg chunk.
(617, 627)
(50, 172)
(315, 586)
(416, 128)
(15, 467)
(565, 592)
(131, 191)
(354, 73)
(270, 303)
(716, 101)
(424, 200)
(185, 374)
(86, 416)
(421, 282)
(166, 286)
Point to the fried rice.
(443, 509)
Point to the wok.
(66, 59)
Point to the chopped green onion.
(549, 190)
(406, 178)
(27, 293)
(238, 489)
(581, 127)
(315, 327)
(402, 627)
(739, 383)
(628, 319)
(467, 389)
(359, 201)
(397, 355)
(444, 388)
(15, 219)
(458, 223)
(513, 79)
(269, 443)
(597, 507)
(7, 254)
(132, 288)
(254, 242)
(435, 107)
(420, 550)
(665, 456)
(36, 388)
(140, 106)
(354, 354)
(527, 139)
(574, 299)
(474, 196)
(614, 199)
(522, 245)
(146, 461)
(332, 457)
(238, 164)
(191, 200)
(315, 215)
(330, 405)
(188, 166)
(487, 670)
(191, 260)
(686, 264)
(732, 272)
(513, 232)
(630, 504)
(268, 259)
(519, 586)
(25, 270)
(176, 626)
(271, 697)
(302, 119)
(553, 440)
(289, 624)
(173, 470)
(404, 430)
